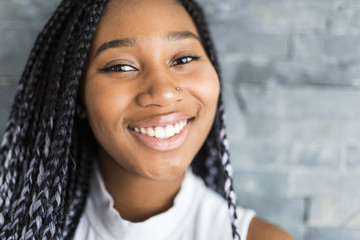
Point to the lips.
(163, 133)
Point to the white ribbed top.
(198, 213)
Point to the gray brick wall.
(291, 71)
(292, 75)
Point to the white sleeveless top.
(198, 213)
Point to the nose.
(160, 90)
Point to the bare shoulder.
(262, 230)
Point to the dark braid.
(45, 123)
(46, 153)
(36, 162)
(23, 104)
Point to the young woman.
(117, 130)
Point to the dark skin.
(133, 204)
(143, 176)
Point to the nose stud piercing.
(177, 89)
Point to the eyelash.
(122, 67)
(118, 68)
(184, 60)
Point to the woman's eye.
(184, 60)
(119, 68)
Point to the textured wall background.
(292, 77)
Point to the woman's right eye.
(119, 68)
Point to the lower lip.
(163, 145)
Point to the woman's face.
(150, 92)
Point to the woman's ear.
(80, 112)
(80, 109)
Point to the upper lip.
(162, 120)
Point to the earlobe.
(80, 112)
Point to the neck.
(137, 198)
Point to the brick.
(354, 221)
(300, 102)
(342, 17)
(30, 13)
(284, 212)
(322, 73)
(261, 183)
(273, 14)
(249, 69)
(7, 92)
(21, 22)
(246, 41)
(15, 45)
(240, 158)
(352, 156)
(325, 72)
(316, 233)
(225, 11)
(266, 128)
(270, 154)
(325, 130)
(322, 182)
(286, 14)
(334, 211)
(256, 154)
(234, 115)
(322, 46)
(330, 102)
(277, 143)
(260, 101)
(231, 70)
(297, 231)
(315, 154)
(279, 210)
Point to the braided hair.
(47, 151)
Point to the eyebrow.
(117, 43)
(130, 42)
(175, 36)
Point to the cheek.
(206, 88)
(104, 105)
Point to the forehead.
(142, 19)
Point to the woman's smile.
(163, 133)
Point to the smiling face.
(150, 91)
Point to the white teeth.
(162, 132)
(176, 128)
(182, 124)
(159, 132)
(143, 130)
(150, 132)
(169, 131)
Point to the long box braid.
(38, 192)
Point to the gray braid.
(36, 149)
(228, 171)
(17, 128)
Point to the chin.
(165, 174)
